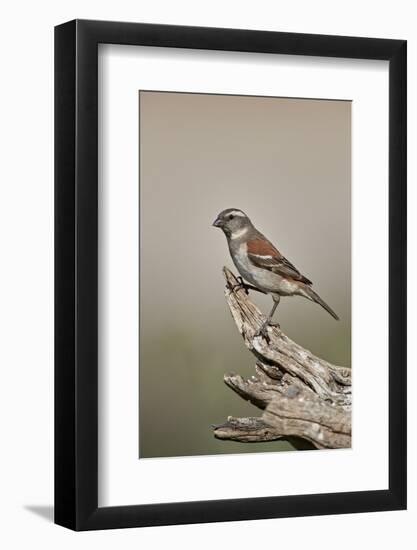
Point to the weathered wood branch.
(305, 399)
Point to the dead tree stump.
(304, 399)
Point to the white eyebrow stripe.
(237, 213)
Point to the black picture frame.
(76, 272)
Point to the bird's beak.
(217, 223)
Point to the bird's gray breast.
(239, 254)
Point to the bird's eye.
(231, 217)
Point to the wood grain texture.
(303, 398)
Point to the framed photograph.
(230, 252)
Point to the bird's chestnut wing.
(263, 254)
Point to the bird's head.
(233, 222)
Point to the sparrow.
(262, 265)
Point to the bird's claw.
(263, 331)
(240, 285)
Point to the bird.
(262, 265)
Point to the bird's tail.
(311, 295)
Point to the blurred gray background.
(287, 164)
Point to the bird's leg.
(242, 285)
(239, 286)
(262, 331)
